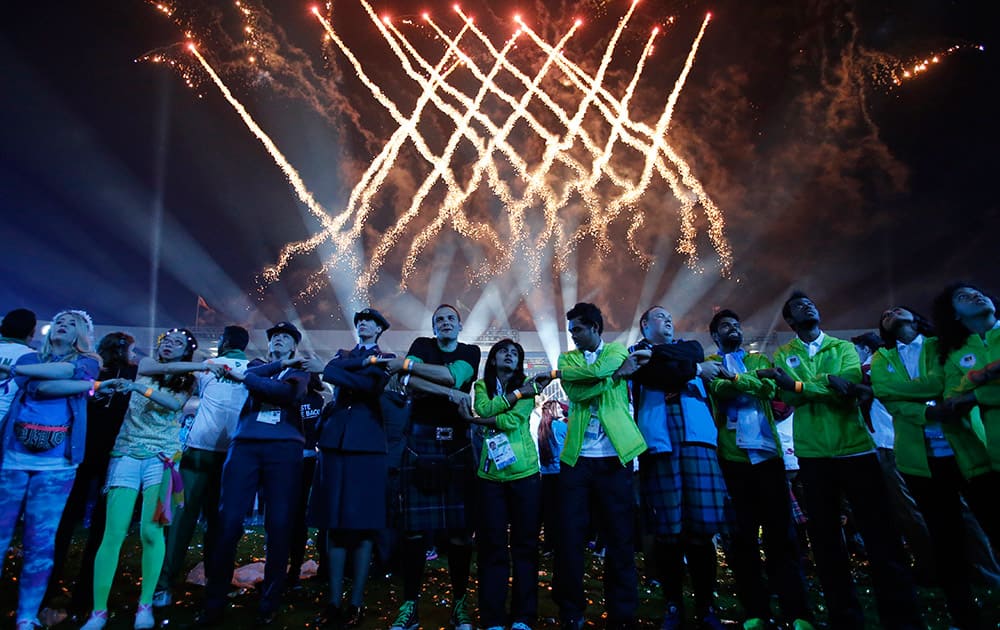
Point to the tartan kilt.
(683, 492)
(437, 481)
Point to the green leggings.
(121, 503)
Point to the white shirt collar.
(592, 356)
(813, 346)
(917, 343)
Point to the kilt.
(348, 490)
(437, 482)
(682, 491)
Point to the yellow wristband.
(518, 395)
(406, 365)
(554, 374)
(372, 360)
(97, 385)
(798, 387)
(148, 392)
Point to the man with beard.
(437, 474)
(837, 456)
(751, 462)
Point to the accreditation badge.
(499, 450)
(269, 414)
(793, 361)
(968, 361)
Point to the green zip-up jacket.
(826, 423)
(906, 399)
(976, 354)
(514, 423)
(721, 391)
(585, 384)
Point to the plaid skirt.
(683, 491)
(437, 481)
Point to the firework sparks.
(549, 182)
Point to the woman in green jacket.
(509, 489)
(937, 452)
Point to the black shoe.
(354, 616)
(331, 618)
(209, 618)
(266, 617)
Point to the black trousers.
(277, 466)
(761, 501)
(939, 498)
(860, 479)
(507, 537)
(604, 483)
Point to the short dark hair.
(869, 340)
(18, 324)
(235, 337)
(786, 310)
(446, 305)
(587, 313)
(713, 326)
(645, 315)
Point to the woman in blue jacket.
(43, 438)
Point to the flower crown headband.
(79, 313)
(190, 340)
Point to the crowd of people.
(898, 431)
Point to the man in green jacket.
(601, 442)
(752, 464)
(837, 456)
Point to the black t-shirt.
(436, 410)
(105, 415)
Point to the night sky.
(830, 178)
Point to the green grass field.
(383, 595)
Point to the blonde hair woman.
(43, 438)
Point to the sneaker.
(27, 624)
(144, 619)
(460, 617)
(407, 618)
(520, 625)
(432, 554)
(756, 623)
(98, 619)
(672, 618)
(162, 598)
(802, 624)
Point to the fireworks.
(594, 154)
(890, 71)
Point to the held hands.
(540, 380)
(840, 385)
(779, 376)
(951, 409)
(989, 373)
(392, 366)
(711, 370)
(633, 362)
